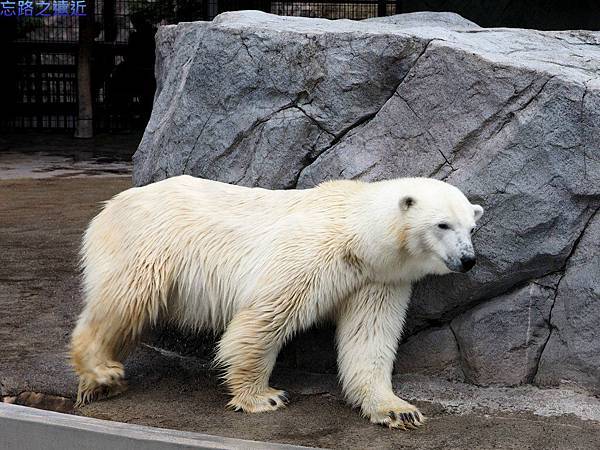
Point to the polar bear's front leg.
(247, 352)
(368, 331)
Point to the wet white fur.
(262, 265)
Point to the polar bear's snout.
(462, 263)
(459, 251)
(467, 254)
(467, 262)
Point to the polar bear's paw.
(103, 381)
(90, 390)
(401, 415)
(268, 400)
(109, 373)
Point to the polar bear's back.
(185, 203)
(187, 192)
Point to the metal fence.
(45, 90)
(40, 82)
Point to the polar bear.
(262, 265)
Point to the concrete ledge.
(23, 428)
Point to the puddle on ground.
(14, 165)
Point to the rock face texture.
(512, 117)
(571, 352)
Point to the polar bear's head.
(438, 222)
(428, 221)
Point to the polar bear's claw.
(410, 420)
(270, 400)
(90, 391)
(285, 397)
(404, 417)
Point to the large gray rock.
(512, 117)
(427, 19)
(501, 340)
(433, 351)
(572, 352)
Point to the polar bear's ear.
(406, 202)
(478, 211)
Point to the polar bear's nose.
(467, 262)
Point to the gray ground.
(41, 219)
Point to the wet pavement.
(47, 155)
(14, 165)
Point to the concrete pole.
(85, 96)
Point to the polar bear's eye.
(472, 230)
(443, 226)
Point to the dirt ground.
(170, 392)
(41, 221)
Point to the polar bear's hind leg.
(107, 330)
(95, 356)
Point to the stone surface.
(434, 352)
(512, 117)
(422, 19)
(572, 352)
(501, 340)
(42, 401)
(27, 428)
